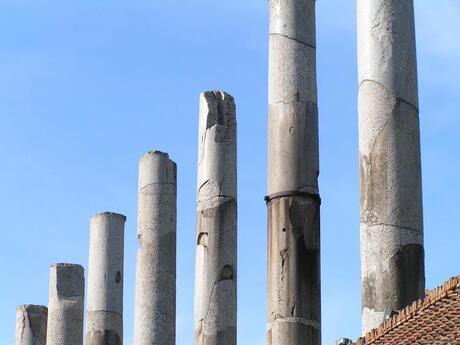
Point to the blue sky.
(87, 87)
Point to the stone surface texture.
(31, 325)
(392, 254)
(155, 302)
(216, 235)
(104, 324)
(65, 305)
(294, 288)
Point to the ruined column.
(293, 201)
(392, 255)
(216, 235)
(65, 305)
(155, 303)
(31, 324)
(104, 324)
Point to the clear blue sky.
(86, 87)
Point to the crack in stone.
(398, 99)
(293, 39)
(393, 225)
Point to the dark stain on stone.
(118, 277)
(399, 286)
(226, 273)
(107, 337)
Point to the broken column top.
(69, 279)
(109, 214)
(217, 146)
(33, 307)
(156, 167)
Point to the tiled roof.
(433, 320)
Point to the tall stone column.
(392, 255)
(104, 324)
(216, 235)
(65, 305)
(155, 304)
(31, 324)
(294, 287)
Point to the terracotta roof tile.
(433, 320)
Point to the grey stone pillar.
(294, 289)
(31, 324)
(215, 281)
(65, 305)
(392, 255)
(104, 324)
(155, 304)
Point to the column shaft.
(392, 254)
(294, 288)
(155, 305)
(65, 305)
(31, 325)
(216, 235)
(104, 324)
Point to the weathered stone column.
(392, 255)
(104, 324)
(155, 305)
(294, 287)
(65, 305)
(216, 235)
(31, 324)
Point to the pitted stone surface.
(155, 302)
(392, 255)
(31, 323)
(65, 305)
(105, 279)
(216, 237)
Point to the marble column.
(392, 254)
(293, 201)
(216, 235)
(31, 324)
(104, 324)
(155, 302)
(65, 305)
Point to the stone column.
(294, 288)
(65, 305)
(392, 255)
(104, 324)
(31, 324)
(155, 304)
(216, 235)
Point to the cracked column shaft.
(216, 235)
(294, 287)
(65, 305)
(104, 324)
(31, 324)
(392, 254)
(155, 304)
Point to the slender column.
(31, 324)
(104, 324)
(155, 305)
(65, 305)
(215, 281)
(294, 288)
(392, 254)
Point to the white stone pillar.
(65, 305)
(155, 304)
(392, 254)
(104, 324)
(293, 201)
(31, 324)
(216, 235)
